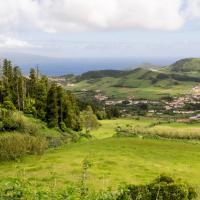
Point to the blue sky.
(101, 28)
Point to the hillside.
(146, 83)
(186, 65)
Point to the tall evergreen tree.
(6, 81)
(1, 91)
(41, 98)
(18, 86)
(71, 113)
(60, 104)
(52, 108)
(5, 67)
(32, 82)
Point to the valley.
(100, 130)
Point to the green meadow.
(114, 160)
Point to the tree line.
(35, 94)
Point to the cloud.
(92, 15)
(10, 42)
(18, 15)
(78, 15)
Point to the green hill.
(143, 83)
(101, 74)
(186, 65)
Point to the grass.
(150, 92)
(133, 85)
(115, 160)
(42, 127)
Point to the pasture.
(114, 160)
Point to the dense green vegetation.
(143, 159)
(35, 96)
(52, 145)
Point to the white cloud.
(70, 15)
(10, 42)
(84, 15)
(17, 15)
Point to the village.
(176, 105)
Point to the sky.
(101, 28)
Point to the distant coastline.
(60, 66)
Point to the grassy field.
(115, 160)
(134, 86)
(152, 93)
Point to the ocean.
(61, 66)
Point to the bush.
(14, 121)
(13, 146)
(9, 124)
(164, 187)
(9, 105)
(54, 142)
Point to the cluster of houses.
(180, 102)
(176, 105)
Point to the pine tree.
(60, 104)
(6, 83)
(18, 88)
(32, 82)
(71, 113)
(41, 98)
(5, 68)
(10, 73)
(1, 91)
(52, 108)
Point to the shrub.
(12, 121)
(9, 105)
(13, 146)
(163, 187)
(54, 142)
(9, 124)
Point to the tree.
(52, 108)
(60, 104)
(41, 98)
(113, 111)
(90, 120)
(32, 82)
(18, 88)
(71, 113)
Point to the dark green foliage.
(33, 96)
(112, 112)
(62, 109)
(41, 98)
(71, 113)
(162, 188)
(32, 83)
(52, 108)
